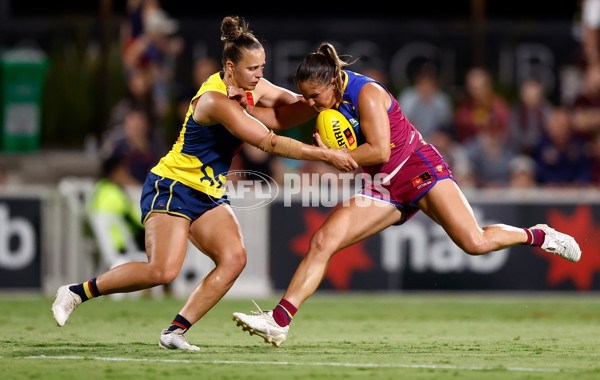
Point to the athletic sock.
(535, 236)
(284, 312)
(180, 323)
(86, 290)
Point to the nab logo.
(17, 241)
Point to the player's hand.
(341, 160)
(317, 140)
(238, 94)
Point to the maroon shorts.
(406, 185)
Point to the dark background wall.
(512, 39)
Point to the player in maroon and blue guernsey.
(385, 180)
(402, 174)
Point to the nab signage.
(419, 255)
(20, 261)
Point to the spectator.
(528, 116)
(481, 109)
(490, 155)
(590, 23)
(455, 155)
(586, 106)
(147, 34)
(138, 96)
(522, 172)
(561, 160)
(427, 107)
(595, 159)
(149, 42)
(201, 70)
(141, 152)
(377, 74)
(110, 196)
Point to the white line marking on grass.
(318, 364)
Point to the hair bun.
(232, 28)
(237, 39)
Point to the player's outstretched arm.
(276, 107)
(216, 108)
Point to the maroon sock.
(284, 312)
(535, 236)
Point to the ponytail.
(321, 66)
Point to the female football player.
(413, 176)
(184, 194)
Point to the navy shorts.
(165, 195)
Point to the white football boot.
(175, 340)
(66, 301)
(262, 324)
(561, 244)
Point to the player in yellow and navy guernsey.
(184, 195)
(198, 163)
(402, 175)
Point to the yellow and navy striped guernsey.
(201, 156)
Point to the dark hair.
(237, 37)
(321, 67)
(112, 162)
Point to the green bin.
(22, 75)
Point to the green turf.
(369, 336)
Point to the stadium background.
(45, 240)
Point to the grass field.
(369, 336)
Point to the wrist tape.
(284, 147)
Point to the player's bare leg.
(166, 245)
(217, 234)
(221, 239)
(446, 205)
(359, 219)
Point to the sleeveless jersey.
(202, 155)
(404, 137)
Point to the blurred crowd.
(488, 141)
(136, 127)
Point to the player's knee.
(321, 246)
(233, 261)
(162, 276)
(475, 247)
